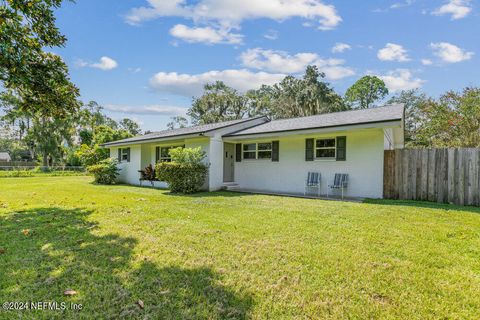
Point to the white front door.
(228, 161)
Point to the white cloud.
(393, 52)
(401, 79)
(105, 63)
(457, 8)
(271, 34)
(135, 70)
(427, 62)
(282, 62)
(340, 47)
(232, 12)
(206, 35)
(149, 109)
(403, 4)
(192, 84)
(450, 53)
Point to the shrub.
(105, 172)
(186, 173)
(148, 173)
(91, 155)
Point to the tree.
(308, 96)
(414, 101)
(292, 97)
(48, 135)
(131, 126)
(177, 122)
(451, 121)
(365, 92)
(218, 103)
(40, 78)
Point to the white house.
(259, 154)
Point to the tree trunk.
(45, 159)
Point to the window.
(325, 148)
(163, 154)
(265, 150)
(250, 151)
(124, 154)
(254, 151)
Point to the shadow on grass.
(48, 250)
(422, 204)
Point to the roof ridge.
(344, 111)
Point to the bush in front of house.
(186, 173)
(105, 172)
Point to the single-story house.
(259, 154)
(5, 157)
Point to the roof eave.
(150, 140)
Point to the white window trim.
(334, 158)
(256, 151)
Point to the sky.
(146, 59)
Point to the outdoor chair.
(313, 181)
(339, 182)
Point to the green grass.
(35, 173)
(228, 255)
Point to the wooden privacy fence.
(441, 175)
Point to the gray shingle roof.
(380, 114)
(179, 132)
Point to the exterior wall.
(364, 165)
(129, 170)
(141, 155)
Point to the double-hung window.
(261, 150)
(325, 148)
(250, 151)
(264, 150)
(163, 153)
(124, 154)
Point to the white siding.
(129, 170)
(141, 155)
(364, 165)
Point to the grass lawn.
(228, 255)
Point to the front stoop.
(230, 186)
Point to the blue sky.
(145, 59)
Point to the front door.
(228, 161)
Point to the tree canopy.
(365, 92)
(292, 97)
(39, 77)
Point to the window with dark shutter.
(341, 148)
(157, 154)
(238, 152)
(119, 154)
(128, 154)
(308, 149)
(275, 151)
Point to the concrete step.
(231, 186)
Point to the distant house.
(276, 155)
(5, 156)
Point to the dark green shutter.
(119, 154)
(128, 154)
(275, 151)
(157, 154)
(238, 152)
(341, 148)
(309, 149)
